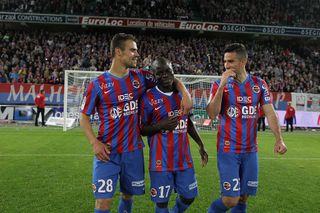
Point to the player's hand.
(169, 123)
(280, 148)
(101, 150)
(225, 75)
(186, 103)
(204, 156)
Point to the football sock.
(101, 211)
(180, 206)
(217, 206)
(125, 205)
(240, 208)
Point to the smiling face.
(128, 55)
(164, 74)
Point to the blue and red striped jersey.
(237, 131)
(116, 101)
(169, 150)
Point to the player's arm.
(214, 104)
(169, 123)
(274, 125)
(192, 131)
(186, 102)
(99, 149)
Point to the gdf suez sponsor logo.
(129, 108)
(234, 112)
(249, 111)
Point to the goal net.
(76, 83)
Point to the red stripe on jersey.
(214, 89)
(170, 142)
(107, 100)
(141, 112)
(141, 91)
(157, 138)
(227, 131)
(238, 120)
(131, 121)
(256, 82)
(219, 134)
(88, 97)
(170, 151)
(118, 91)
(141, 88)
(180, 136)
(187, 155)
(248, 142)
(158, 152)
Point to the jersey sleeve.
(149, 78)
(265, 94)
(213, 90)
(90, 100)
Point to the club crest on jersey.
(158, 163)
(226, 186)
(94, 188)
(153, 192)
(255, 89)
(135, 84)
(233, 112)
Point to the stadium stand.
(42, 57)
(295, 13)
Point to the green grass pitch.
(47, 170)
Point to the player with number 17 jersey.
(169, 150)
(116, 102)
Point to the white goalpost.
(77, 81)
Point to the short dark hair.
(238, 48)
(160, 61)
(118, 41)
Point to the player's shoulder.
(100, 79)
(151, 91)
(217, 82)
(138, 71)
(135, 71)
(256, 79)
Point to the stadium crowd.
(289, 13)
(42, 57)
